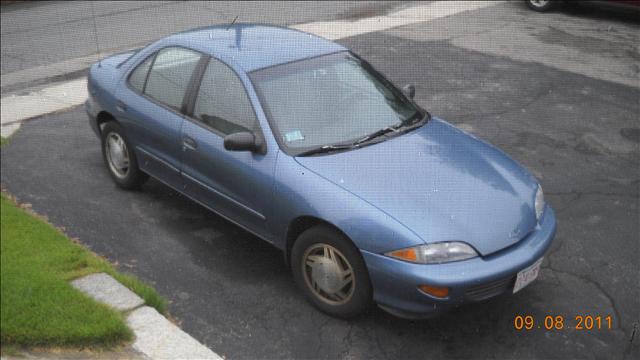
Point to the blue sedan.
(304, 144)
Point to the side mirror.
(409, 90)
(240, 141)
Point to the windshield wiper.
(376, 134)
(413, 121)
(355, 144)
(404, 125)
(401, 127)
(327, 148)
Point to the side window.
(170, 75)
(222, 102)
(139, 75)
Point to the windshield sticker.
(295, 135)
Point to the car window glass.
(222, 102)
(170, 75)
(139, 75)
(333, 99)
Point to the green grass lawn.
(38, 305)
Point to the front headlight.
(539, 203)
(436, 253)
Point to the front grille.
(490, 289)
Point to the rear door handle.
(120, 106)
(189, 143)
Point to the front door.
(236, 184)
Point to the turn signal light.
(440, 292)
(405, 254)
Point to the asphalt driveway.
(579, 134)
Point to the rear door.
(235, 184)
(151, 102)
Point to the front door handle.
(189, 143)
(120, 106)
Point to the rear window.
(170, 74)
(139, 75)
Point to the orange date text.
(560, 322)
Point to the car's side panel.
(101, 84)
(152, 126)
(236, 184)
(156, 132)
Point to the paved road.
(43, 34)
(575, 125)
(46, 42)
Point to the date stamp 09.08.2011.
(560, 322)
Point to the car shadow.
(214, 242)
(602, 10)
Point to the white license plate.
(526, 276)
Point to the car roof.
(255, 46)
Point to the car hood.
(441, 183)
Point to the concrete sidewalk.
(156, 337)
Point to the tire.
(352, 298)
(541, 5)
(127, 177)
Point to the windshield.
(329, 100)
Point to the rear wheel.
(120, 159)
(541, 5)
(330, 271)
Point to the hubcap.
(328, 274)
(117, 155)
(539, 3)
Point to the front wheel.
(330, 271)
(120, 159)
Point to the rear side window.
(222, 102)
(139, 75)
(170, 74)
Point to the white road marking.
(17, 108)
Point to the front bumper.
(395, 282)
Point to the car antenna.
(233, 22)
(95, 33)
